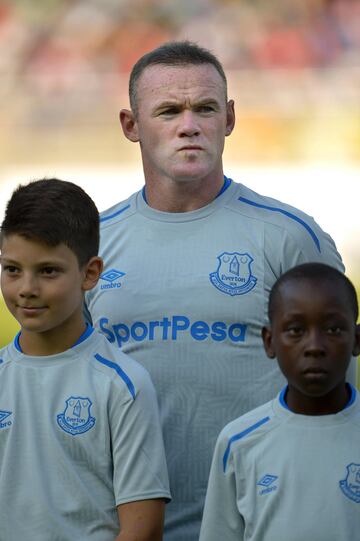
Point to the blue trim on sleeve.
(241, 435)
(105, 218)
(120, 372)
(289, 215)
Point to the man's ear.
(129, 125)
(267, 341)
(92, 271)
(356, 348)
(230, 117)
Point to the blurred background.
(294, 72)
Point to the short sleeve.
(138, 454)
(221, 518)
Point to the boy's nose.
(315, 344)
(29, 287)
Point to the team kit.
(185, 368)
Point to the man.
(189, 263)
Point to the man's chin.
(191, 174)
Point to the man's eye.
(205, 109)
(170, 111)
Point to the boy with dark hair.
(81, 451)
(290, 469)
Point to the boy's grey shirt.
(277, 475)
(79, 435)
(186, 295)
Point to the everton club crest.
(351, 484)
(233, 275)
(76, 417)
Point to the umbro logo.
(112, 277)
(5, 422)
(268, 483)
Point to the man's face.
(181, 122)
(313, 335)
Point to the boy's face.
(43, 286)
(313, 335)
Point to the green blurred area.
(8, 325)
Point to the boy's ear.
(129, 125)
(267, 341)
(356, 348)
(92, 271)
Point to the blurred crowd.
(50, 47)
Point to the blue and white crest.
(233, 275)
(76, 418)
(351, 484)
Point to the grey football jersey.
(79, 435)
(282, 476)
(186, 295)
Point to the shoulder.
(117, 213)
(123, 371)
(272, 211)
(4, 356)
(248, 428)
(285, 224)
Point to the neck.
(49, 342)
(335, 401)
(174, 196)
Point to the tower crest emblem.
(233, 275)
(351, 484)
(76, 417)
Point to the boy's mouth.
(315, 372)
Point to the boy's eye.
(334, 330)
(294, 330)
(10, 269)
(49, 271)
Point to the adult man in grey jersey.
(189, 262)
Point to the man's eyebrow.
(179, 103)
(206, 101)
(168, 103)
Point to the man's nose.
(188, 126)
